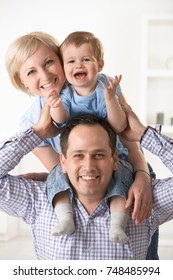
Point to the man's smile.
(89, 178)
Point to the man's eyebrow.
(93, 151)
(78, 151)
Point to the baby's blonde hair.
(79, 38)
(21, 49)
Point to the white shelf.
(160, 73)
(166, 129)
(156, 94)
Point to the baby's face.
(81, 67)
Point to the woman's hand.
(45, 127)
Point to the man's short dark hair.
(88, 120)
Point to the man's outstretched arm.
(13, 149)
(149, 138)
(17, 195)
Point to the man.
(89, 158)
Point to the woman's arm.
(47, 155)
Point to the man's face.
(89, 162)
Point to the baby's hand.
(54, 100)
(110, 91)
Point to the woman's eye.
(48, 62)
(31, 72)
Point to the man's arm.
(13, 150)
(150, 138)
(159, 145)
(140, 192)
(17, 194)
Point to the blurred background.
(137, 36)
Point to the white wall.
(116, 22)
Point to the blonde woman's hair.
(21, 49)
(79, 38)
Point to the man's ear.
(101, 64)
(63, 162)
(115, 161)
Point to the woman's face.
(42, 72)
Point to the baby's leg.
(58, 189)
(118, 192)
(64, 212)
(119, 217)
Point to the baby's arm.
(115, 114)
(57, 111)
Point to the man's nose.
(89, 163)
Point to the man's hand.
(140, 194)
(135, 129)
(45, 127)
(35, 176)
